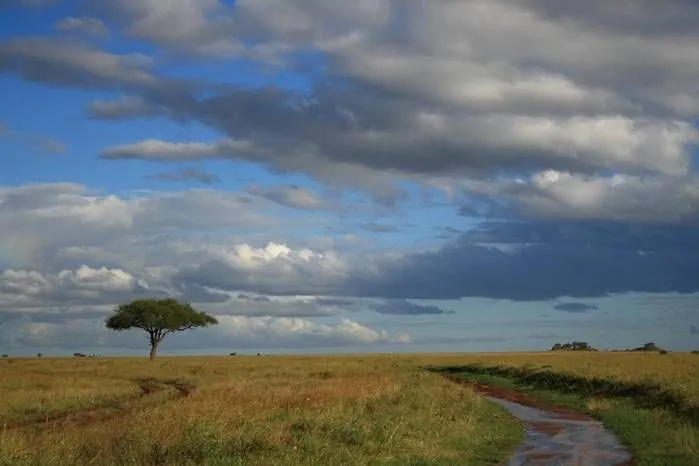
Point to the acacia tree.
(159, 318)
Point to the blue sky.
(350, 176)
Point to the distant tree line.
(573, 346)
(584, 346)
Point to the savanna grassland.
(243, 410)
(369, 409)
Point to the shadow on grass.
(149, 385)
(642, 394)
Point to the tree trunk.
(153, 350)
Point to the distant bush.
(79, 355)
(232, 354)
(650, 347)
(5, 356)
(695, 352)
(38, 355)
(573, 346)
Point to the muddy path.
(554, 435)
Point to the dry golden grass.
(244, 410)
(373, 409)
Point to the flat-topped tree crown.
(158, 317)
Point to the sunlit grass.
(246, 410)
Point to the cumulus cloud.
(32, 289)
(575, 307)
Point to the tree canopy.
(159, 318)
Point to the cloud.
(86, 285)
(49, 228)
(84, 25)
(283, 332)
(58, 62)
(415, 89)
(540, 261)
(552, 194)
(187, 175)
(403, 307)
(39, 223)
(154, 149)
(124, 107)
(254, 305)
(289, 196)
(571, 128)
(575, 307)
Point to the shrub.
(573, 346)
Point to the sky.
(370, 176)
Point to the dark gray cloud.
(534, 261)
(187, 175)
(575, 307)
(403, 307)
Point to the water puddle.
(563, 439)
(555, 436)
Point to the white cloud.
(297, 331)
